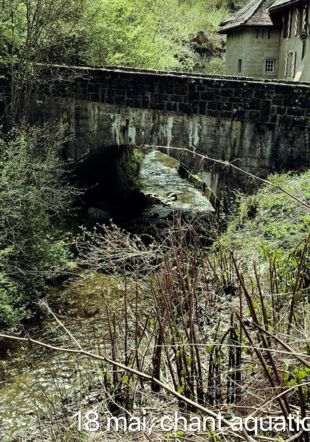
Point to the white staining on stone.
(116, 128)
(94, 116)
(169, 128)
(193, 132)
(132, 135)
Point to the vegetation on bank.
(131, 165)
(35, 195)
(224, 334)
(270, 222)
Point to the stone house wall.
(253, 47)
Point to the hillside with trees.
(157, 34)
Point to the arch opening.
(107, 177)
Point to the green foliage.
(156, 34)
(296, 376)
(40, 30)
(270, 223)
(132, 167)
(34, 193)
(12, 29)
(215, 67)
(150, 34)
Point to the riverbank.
(186, 319)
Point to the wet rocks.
(162, 183)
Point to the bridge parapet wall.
(243, 99)
(263, 126)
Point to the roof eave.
(277, 8)
(242, 26)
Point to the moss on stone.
(131, 166)
(167, 160)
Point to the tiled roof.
(254, 13)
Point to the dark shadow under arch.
(108, 188)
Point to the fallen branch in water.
(233, 166)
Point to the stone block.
(227, 93)
(207, 95)
(213, 105)
(295, 111)
(265, 110)
(253, 116)
(194, 96)
(285, 120)
(186, 108)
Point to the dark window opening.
(239, 66)
(304, 24)
(303, 49)
(298, 23)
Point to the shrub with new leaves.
(34, 192)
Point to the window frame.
(268, 63)
(290, 65)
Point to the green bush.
(216, 66)
(35, 194)
(271, 221)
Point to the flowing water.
(36, 383)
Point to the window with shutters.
(290, 65)
(287, 25)
(298, 21)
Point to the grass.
(270, 222)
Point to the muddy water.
(36, 383)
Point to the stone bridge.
(261, 125)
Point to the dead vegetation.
(195, 332)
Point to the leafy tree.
(32, 32)
(35, 193)
(39, 30)
(151, 34)
(142, 33)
